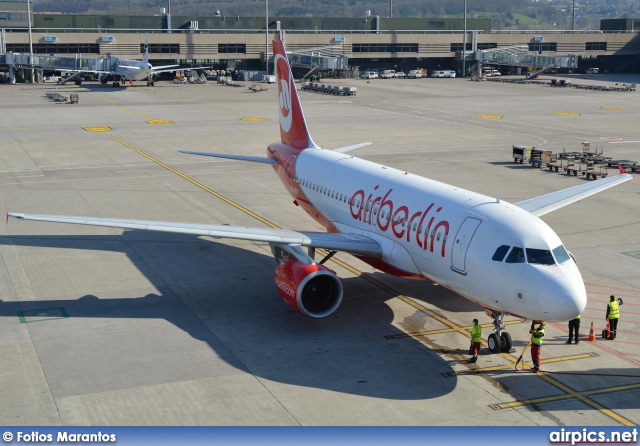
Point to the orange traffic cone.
(592, 336)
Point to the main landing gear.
(499, 340)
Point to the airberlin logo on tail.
(284, 92)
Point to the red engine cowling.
(312, 290)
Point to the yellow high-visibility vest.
(537, 341)
(614, 310)
(476, 333)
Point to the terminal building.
(369, 42)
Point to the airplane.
(129, 70)
(500, 255)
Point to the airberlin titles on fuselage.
(381, 211)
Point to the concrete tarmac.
(103, 326)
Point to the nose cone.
(562, 298)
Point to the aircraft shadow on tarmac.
(224, 296)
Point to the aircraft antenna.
(497, 198)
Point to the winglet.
(622, 169)
(6, 208)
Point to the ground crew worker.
(476, 340)
(536, 343)
(574, 327)
(613, 314)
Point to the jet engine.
(312, 290)
(155, 78)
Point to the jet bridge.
(18, 61)
(519, 56)
(320, 58)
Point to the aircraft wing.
(86, 71)
(166, 69)
(162, 67)
(555, 200)
(352, 243)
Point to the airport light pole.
(30, 40)
(464, 42)
(266, 28)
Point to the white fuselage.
(135, 70)
(444, 233)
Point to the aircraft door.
(461, 244)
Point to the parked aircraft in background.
(497, 254)
(128, 70)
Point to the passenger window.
(561, 254)
(516, 256)
(498, 256)
(540, 256)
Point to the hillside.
(514, 14)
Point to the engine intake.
(312, 290)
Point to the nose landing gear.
(499, 340)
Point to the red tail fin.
(293, 128)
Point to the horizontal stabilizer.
(555, 200)
(350, 148)
(353, 243)
(253, 159)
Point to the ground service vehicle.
(388, 74)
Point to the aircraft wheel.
(152, 83)
(494, 343)
(148, 83)
(505, 342)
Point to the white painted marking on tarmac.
(622, 142)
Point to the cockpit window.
(561, 254)
(516, 256)
(540, 256)
(498, 256)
